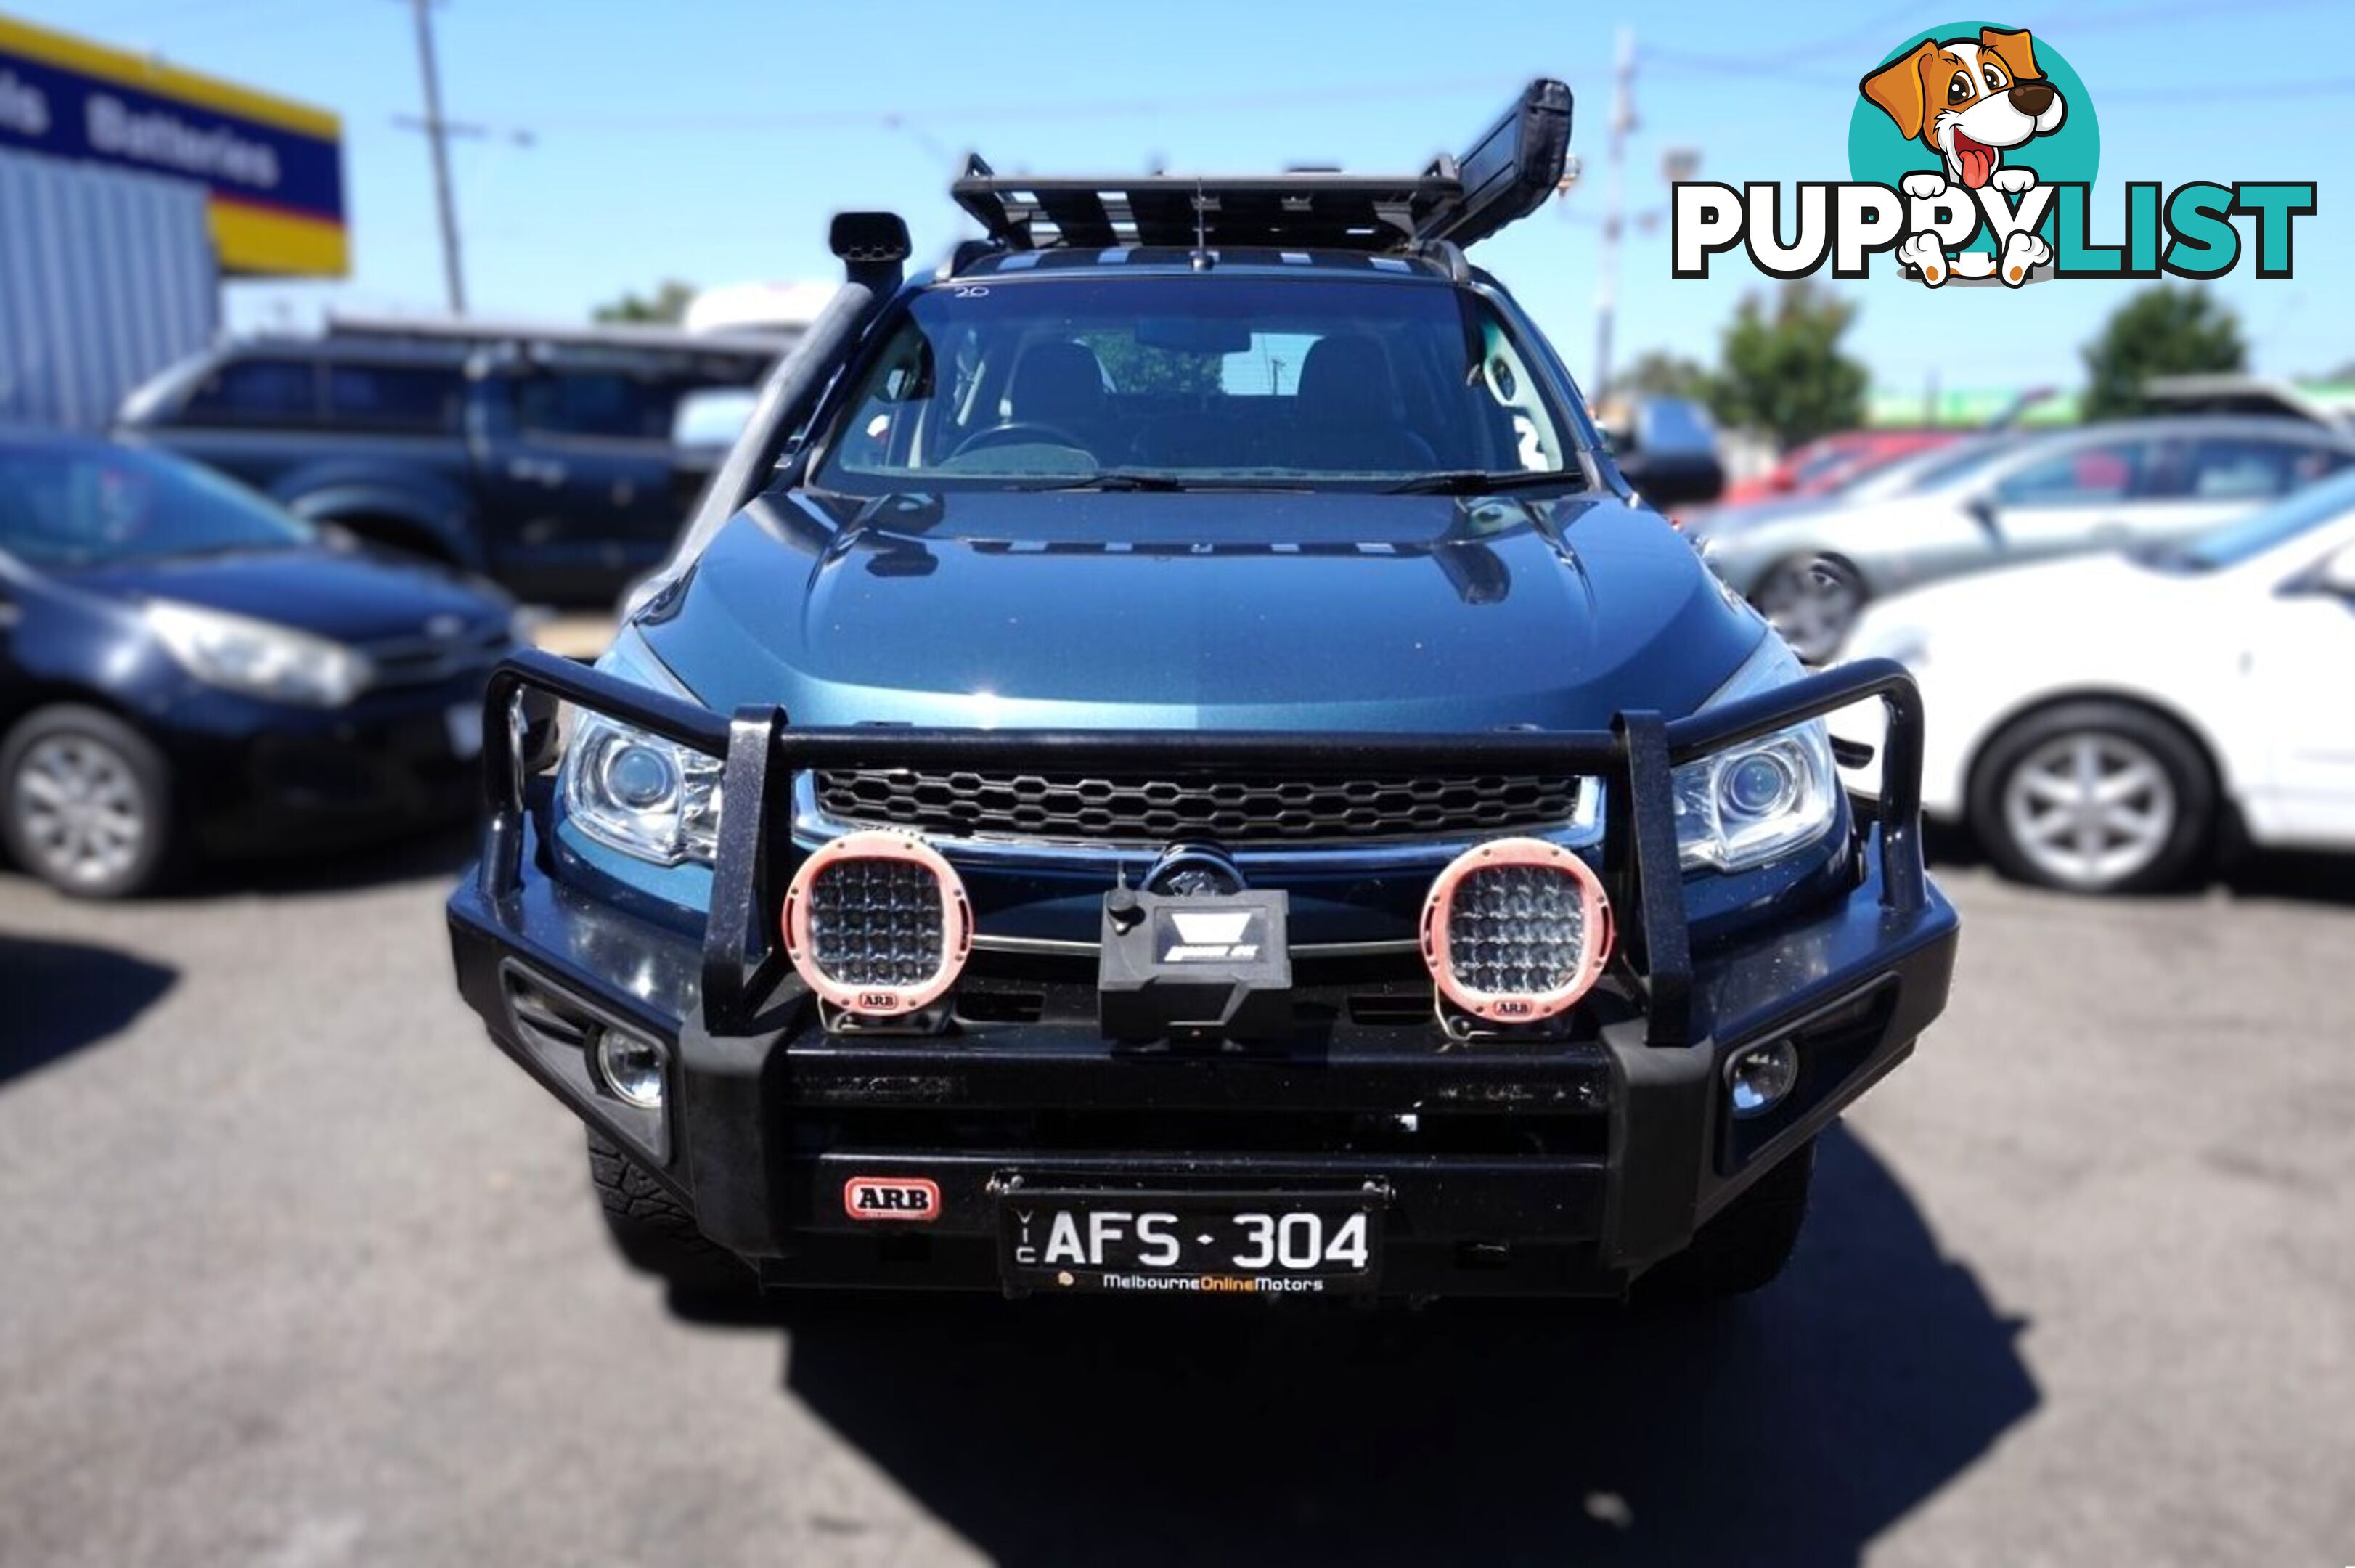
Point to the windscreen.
(1204, 381)
(84, 506)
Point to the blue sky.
(708, 139)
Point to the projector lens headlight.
(641, 795)
(878, 924)
(1516, 929)
(1751, 803)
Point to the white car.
(1812, 569)
(2095, 721)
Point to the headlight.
(258, 658)
(635, 792)
(1749, 804)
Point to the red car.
(1831, 460)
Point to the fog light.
(1757, 1079)
(878, 924)
(1516, 929)
(632, 1067)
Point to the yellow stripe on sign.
(149, 75)
(263, 240)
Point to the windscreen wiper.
(1482, 481)
(1121, 479)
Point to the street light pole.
(437, 139)
(1623, 120)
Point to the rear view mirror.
(1194, 334)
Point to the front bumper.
(1565, 1167)
(261, 778)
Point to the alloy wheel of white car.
(2090, 810)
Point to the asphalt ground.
(296, 1271)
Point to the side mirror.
(1981, 507)
(2337, 575)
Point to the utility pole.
(1623, 120)
(437, 139)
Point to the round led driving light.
(632, 1067)
(1757, 1079)
(1516, 929)
(878, 924)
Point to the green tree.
(1659, 374)
(1143, 368)
(1783, 371)
(668, 305)
(2164, 331)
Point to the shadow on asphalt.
(1791, 1428)
(62, 995)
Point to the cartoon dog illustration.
(1967, 101)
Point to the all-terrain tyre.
(658, 1234)
(1743, 1246)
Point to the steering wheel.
(1019, 432)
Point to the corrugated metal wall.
(105, 277)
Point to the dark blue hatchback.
(186, 668)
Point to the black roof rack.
(1506, 175)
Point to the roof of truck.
(1253, 260)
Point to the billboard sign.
(273, 169)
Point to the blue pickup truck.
(1171, 760)
(545, 461)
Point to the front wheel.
(85, 801)
(658, 1235)
(2094, 797)
(1743, 1246)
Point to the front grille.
(420, 661)
(1234, 811)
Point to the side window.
(2234, 469)
(1504, 376)
(2308, 463)
(257, 393)
(601, 404)
(2081, 476)
(396, 398)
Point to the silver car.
(1812, 569)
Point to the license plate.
(465, 723)
(1191, 1244)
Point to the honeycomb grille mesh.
(1516, 929)
(1235, 811)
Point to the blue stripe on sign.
(108, 122)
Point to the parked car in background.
(1823, 464)
(2099, 722)
(1813, 569)
(185, 668)
(543, 460)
